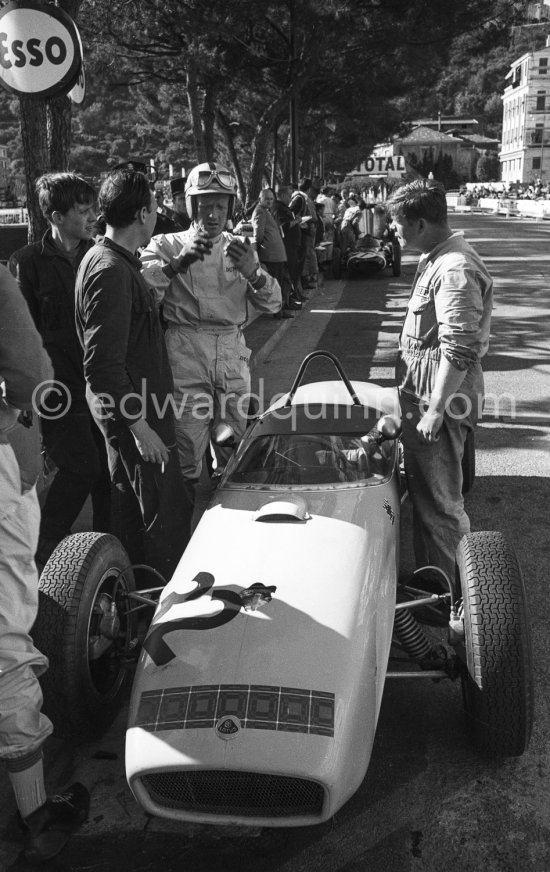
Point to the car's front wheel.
(497, 678)
(85, 628)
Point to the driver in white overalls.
(205, 277)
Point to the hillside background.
(176, 82)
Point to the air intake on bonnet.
(235, 793)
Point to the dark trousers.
(295, 258)
(76, 446)
(151, 509)
(279, 270)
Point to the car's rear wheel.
(396, 258)
(497, 679)
(85, 628)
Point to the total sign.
(40, 49)
(391, 164)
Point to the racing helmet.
(210, 178)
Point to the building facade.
(451, 156)
(525, 151)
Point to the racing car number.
(155, 645)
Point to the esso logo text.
(40, 50)
(31, 52)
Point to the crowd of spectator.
(504, 191)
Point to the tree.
(238, 66)
(46, 138)
(488, 167)
(180, 80)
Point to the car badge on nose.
(256, 596)
(227, 727)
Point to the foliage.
(181, 81)
(488, 168)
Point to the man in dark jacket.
(303, 206)
(164, 223)
(292, 239)
(178, 215)
(129, 383)
(46, 272)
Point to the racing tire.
(497, 678)
(469, 463)
(396, 258)
(336, 263)
(86, 682)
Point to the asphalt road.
(429, 803)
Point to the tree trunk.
(227, 133)
(260, 146)
(46, 137)
(35, 157)
(59, 113)
(195, 111)
(285, 162)
(210, 101)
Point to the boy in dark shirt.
(129, 384)
(46, 272)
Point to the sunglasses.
(205, 177)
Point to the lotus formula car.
(366, 245)
(261, 673)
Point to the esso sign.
(78, 92)
(40, 49)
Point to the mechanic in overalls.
(206, 277)
(444, 337)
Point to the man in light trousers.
(445, 335)
(206, 278)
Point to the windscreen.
(316, 459)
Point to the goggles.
(204, 178)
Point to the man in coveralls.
(206, 277)
(444, 337)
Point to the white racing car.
(260, 676)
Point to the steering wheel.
(295, 450)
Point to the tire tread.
(499, 694)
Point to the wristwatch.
(169, 270)
(255, 277)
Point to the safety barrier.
(14, 216)
(508, 206)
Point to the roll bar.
(303, 366)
